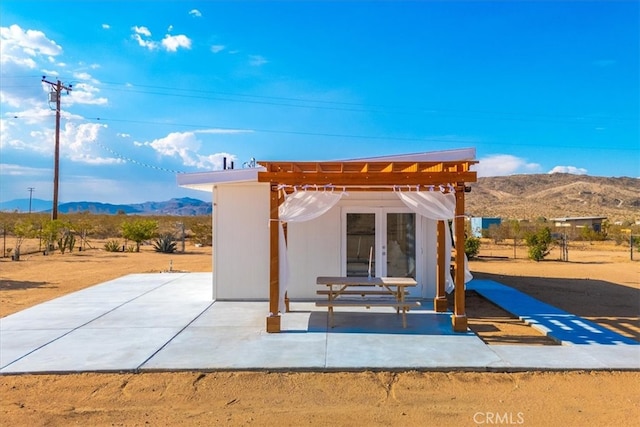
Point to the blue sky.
(160, 87)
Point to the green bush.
(472, 247)
(539, 243)
(202, 233)
(165, 243)
(112, 246)
(139, 230)
(67, 241)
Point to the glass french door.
(379, 242)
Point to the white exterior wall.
(241, 243)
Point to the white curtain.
(441, 207)
(299, 206)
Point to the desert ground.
(599, 282)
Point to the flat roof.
(204, 181)
(578, 218)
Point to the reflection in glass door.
(381, 242)
(401, 245)
(361, 244)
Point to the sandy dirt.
(599, 283)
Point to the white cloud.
(23, 48)
(186, 145)
(106, 26)
(84, 93)
(31, 112)
(257, 60)
(149, 44)
(504, 164)
(141, 34)
(217, 48)
(180, 144)
(195, 12)
(84, 76)
(170, 28)
(172, 43)
(215, 161)
(76, 137)
(143, 31)
(78, 142)
(569, 169)
(50, 72)
(11, 99)
(20, 170)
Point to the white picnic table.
(366, 292)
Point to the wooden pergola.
(374, 176)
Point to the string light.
(136, 162)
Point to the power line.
(366, 108)
(334, 135)
(294, 102)
(349, 136)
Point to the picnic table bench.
(366, 292)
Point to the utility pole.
(30, 196)
(56, 89)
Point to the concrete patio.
(165, 322)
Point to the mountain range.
(516, 196)
(185, 206)
(555, 195)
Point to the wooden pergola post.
(459, 317)
(440, 300)
(273, 319)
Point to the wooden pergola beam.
(366, 178)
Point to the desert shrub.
(202, 233)
(539, 243)
(112, 246)
(591, 235)
(472, 247)
(22, 229)
(52, 231)
(165, 243)
(139, 230)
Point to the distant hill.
(185, 206)
(22, 205)
(554, 196)
(516, 196)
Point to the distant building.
(480, 224)
(593, 222)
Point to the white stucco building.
(368, 221)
